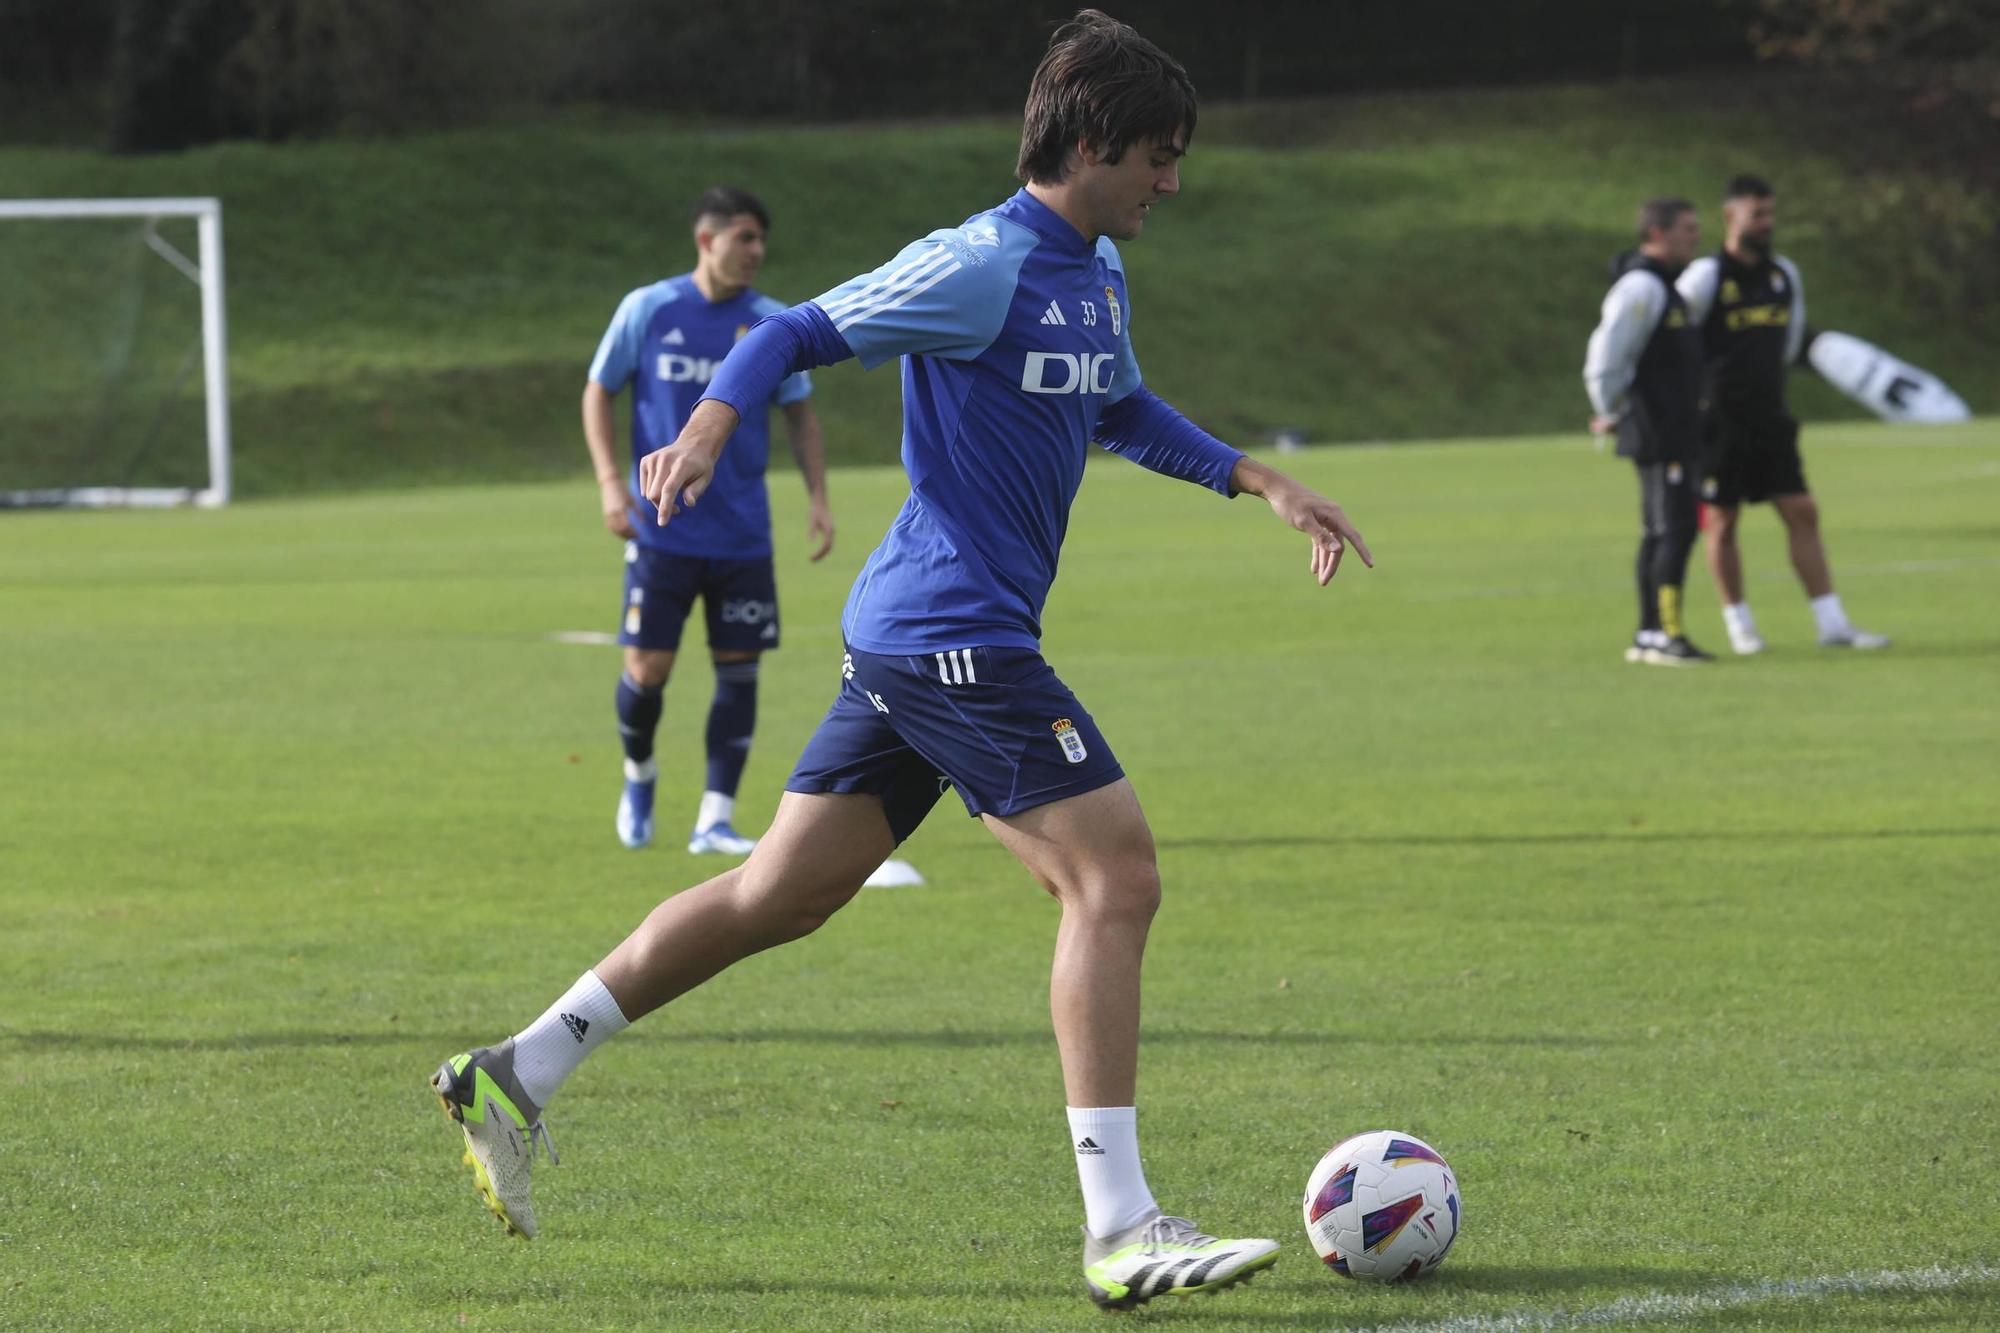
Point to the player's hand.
(819, 528)
(674, 476)
(1603, 425)
(617, 508)
(1325, 522)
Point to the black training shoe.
(1677, 652)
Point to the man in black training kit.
(1643, 373)
(1750, 306)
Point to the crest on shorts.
(1117, 316)
(1068, 737)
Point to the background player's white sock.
(1106, 1142)
(715, 809)
(1828, 613)
(1737, 618)
(549, 1049)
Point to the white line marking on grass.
(596, 638)
(1662, 1306)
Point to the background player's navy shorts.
(1750, 462)
(739, 597)
(995, 723)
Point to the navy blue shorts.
(739, 598)
(995, 723)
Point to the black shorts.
(739, 597)
(1750, 462)
(1667, 498)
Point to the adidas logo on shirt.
(673, 338)
(1053, 315)
(577, 1026)
(1087, 1147)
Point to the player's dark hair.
(1101, 83)
(726, 201)
(1748, 187)
(1661, 214)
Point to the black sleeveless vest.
(1663, 425)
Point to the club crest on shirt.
(1731, 293)
(1777, 282)
(1071, 742)
(1111, 300)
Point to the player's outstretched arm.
(776, 346)
(1306, 510)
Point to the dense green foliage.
(1689, 973)
(1400, 267)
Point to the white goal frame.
(206, 273)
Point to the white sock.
(645, 772)
(1106, 1142)
(1828, 613)
(1736, 616)
(549, 1049)
(715, 809)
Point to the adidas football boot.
(479, 1092)
(1166, 1254)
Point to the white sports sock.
(1736, 616)
(1829, 614)
(1106, 1142)
(715, 809)
(646, 772)
(549, 1049)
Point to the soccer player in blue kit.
(665, 342)
(1014, 332)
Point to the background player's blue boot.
(722, 839)
(635, 807)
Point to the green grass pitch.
(1692, 975)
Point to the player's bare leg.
(810, 865)
(1094, 853)
(1725, 557)
(812, 862)
(1800, 513)
(1725, 562)
(646, 674)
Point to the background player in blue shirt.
(1014, 331)
(665, 342)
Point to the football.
(1382, 1207)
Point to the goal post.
(205, 272)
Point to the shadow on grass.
(883, 1038)
(1572, 839)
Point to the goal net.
(113, 373)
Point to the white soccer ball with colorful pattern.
(1382, 1207)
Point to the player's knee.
(1802, 513)
(790, 911)
(1121, 888)
(648, 669)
